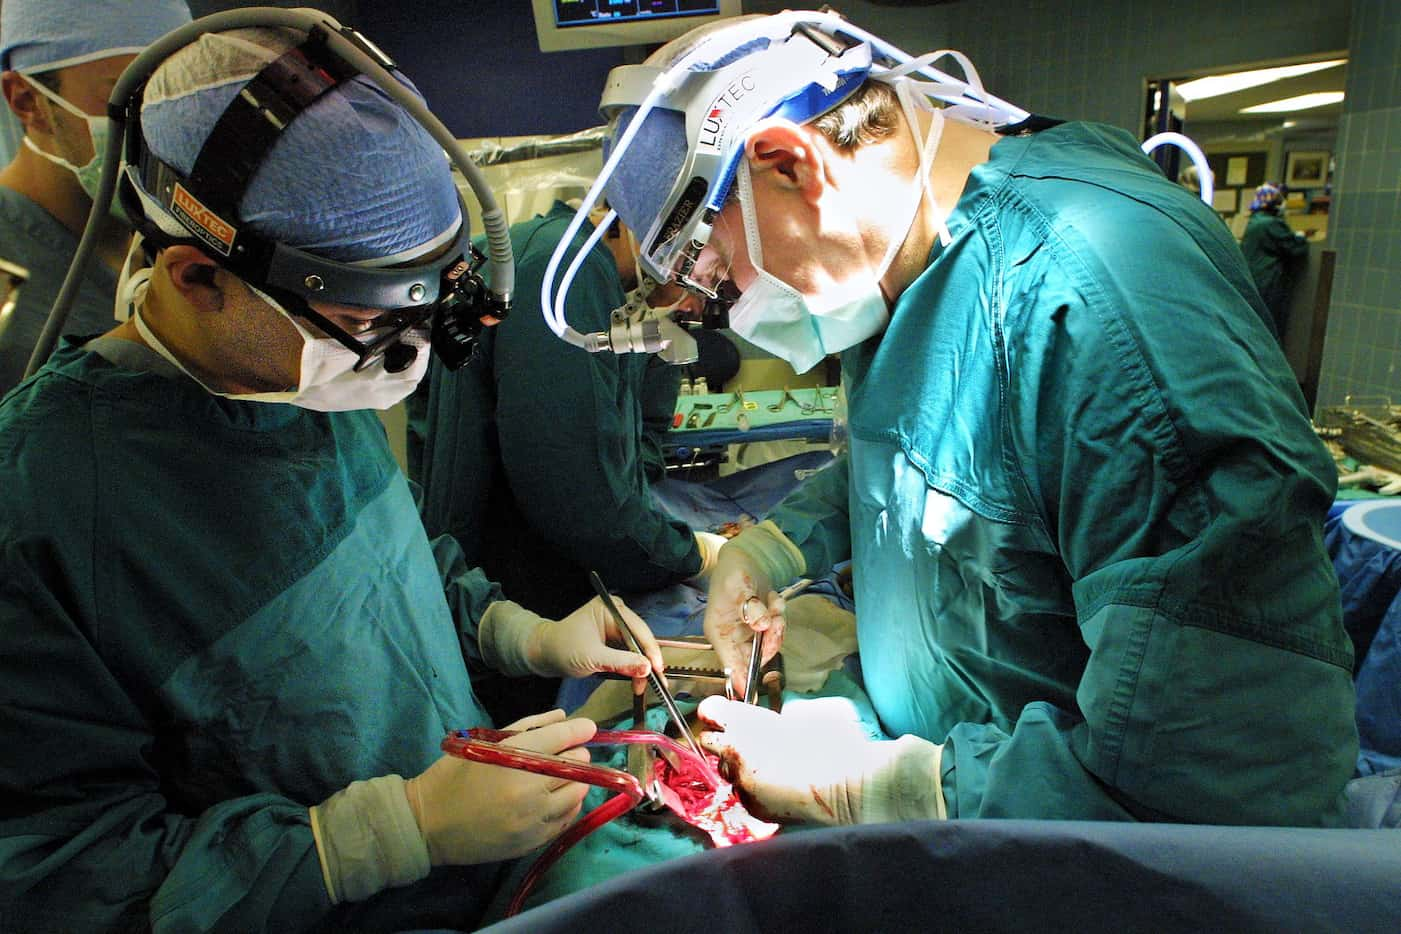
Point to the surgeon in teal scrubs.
(227, 661)
(540, 460)
(1082, 499)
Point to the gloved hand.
(709, 545)
(749, 566)
(516, 641)
(814, 762)
(384, 832)
(470, 812)
(578, 645)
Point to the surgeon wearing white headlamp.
(1082, 496)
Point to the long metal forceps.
(653, 678)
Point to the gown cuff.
(504, 635)
(367, 840)
(902, 783)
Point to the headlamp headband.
(204, 204)
(467, 299)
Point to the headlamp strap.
(258, 115)
(1034, 123)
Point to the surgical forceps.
(653, 678)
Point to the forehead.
(102, 72)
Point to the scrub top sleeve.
(1286, 242)
(815, 517)
(468, 592)
(569, 427)
(1185, 491)
(89, 840)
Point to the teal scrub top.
(539, 455)
(31, 237)
(1272, 250)
(213, 614)
(1085, 507)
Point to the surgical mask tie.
(131, 283)
(927, 147)
(328, 381)
(89, 175)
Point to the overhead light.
(1289, 123)
(1216, 85)
(1302, 102)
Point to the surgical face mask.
(89, 174)
(328, 380)
(802, 329)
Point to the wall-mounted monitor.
(591, 24)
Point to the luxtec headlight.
(797, 74)
(446, 296)
(795, 65)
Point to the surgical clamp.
(783, 400)
(756, 656)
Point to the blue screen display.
(584, 12)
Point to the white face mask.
(803, 329)
(328, 380)
(89, 174)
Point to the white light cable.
(1208, 189)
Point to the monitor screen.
(581, 24)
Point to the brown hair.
(870, 115)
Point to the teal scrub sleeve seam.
(468, 592)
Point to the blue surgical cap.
(638, 187)
(354, 178)
(41, 35)
(1268, 197)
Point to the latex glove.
(750, 565)
(470, 812)
(814, 762)
(1384, 480)
(385, 832)
(709, 545)
(516, 641)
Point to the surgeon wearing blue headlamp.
(229, 653)
(1082, 499)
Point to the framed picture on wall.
(1306, 169)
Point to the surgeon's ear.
(195, 276)
(788, 156)
(24, 102)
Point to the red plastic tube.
(483, 745)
